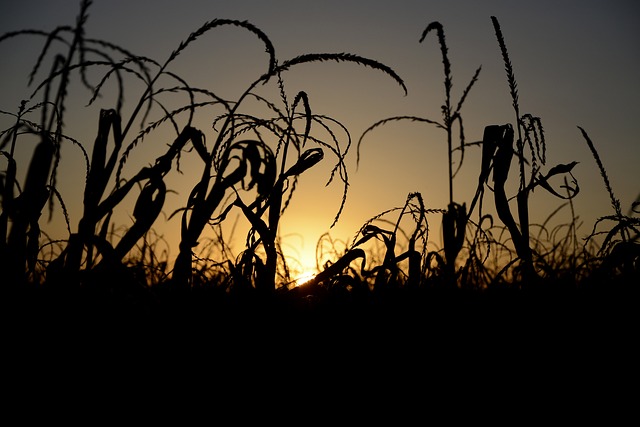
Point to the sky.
(576, 63)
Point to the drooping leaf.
(307, 160)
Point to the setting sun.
(305, 277)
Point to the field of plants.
(490, 266)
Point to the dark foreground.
(303, 313)
(524, 354)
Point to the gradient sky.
(576, 64)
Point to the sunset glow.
(303, 278)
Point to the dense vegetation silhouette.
(488, 268)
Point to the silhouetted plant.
(378, 279)
(454, 219)
(497, 153)
(619, 250)
(388, 274)
(24, 211)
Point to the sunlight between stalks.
(304, 277)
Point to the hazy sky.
(576, 64)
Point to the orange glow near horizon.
(305, 277)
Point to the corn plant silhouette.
(19, 251)
(387, 275)
(498, 150)
(379, 280)
(620, 250)
(454, 218)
